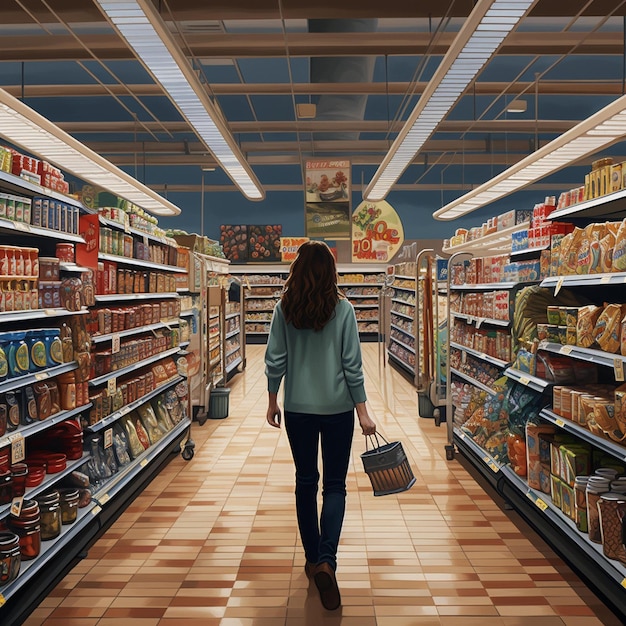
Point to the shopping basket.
(387, 466)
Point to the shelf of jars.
(131, 406)
(99, 380)
(48, 481)
(49, 550)
(545, 504)
(30, 429)
(129, 472)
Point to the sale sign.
(377, 232)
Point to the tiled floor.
(214, 540)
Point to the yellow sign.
(377, 232)
(289, 247)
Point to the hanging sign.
(377, 232)
(327, 181)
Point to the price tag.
(618, 368)
(115, 343)
(96, 509)
(22, 226)
(2, 600)
(566, 349)
(104, 499)
(18, 451)
(559, 284)
(524, 380)
(479, 321)
(111, 386)
(144, 462)
(541, 504)
(108, 438)
(49, 311)
(145, 240)
(42, 375)
(16, 506)
(463, 356)
(605, 279)
(493, 467)
(560, 423)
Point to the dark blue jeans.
(320, 536)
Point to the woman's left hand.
(273, 415)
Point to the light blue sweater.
(322, 370)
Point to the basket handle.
(370, 439)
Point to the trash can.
(218, 403)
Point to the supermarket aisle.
(214, 541)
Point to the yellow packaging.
(620, 407)
(568, 501)
(556, 490)
(575, 460)
(616, 177)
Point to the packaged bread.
(569, 255)
(619, 252)
(607, 243)
(607, 328)
(604, 416)
(587, 318)
(583, 261)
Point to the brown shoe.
(326, 583)
(309, 569)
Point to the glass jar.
(10, 559)
(580, 490)
(50, 513)
(28, 528)
(19, 472)
(596, 486)
(69, 505)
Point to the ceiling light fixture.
(588, 137)
(480, 36)
(517, 106)
(138, 22)
(26, 128)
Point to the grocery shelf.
(408, 317)
(50, 549)
(28, 379)
(403, 277)
(232, 333)
(48, 481)
(478, 451)
(538, 384)
(113, 417)
(72, 267)
(135, 231)
(397, 360)
(611, 447)
(400, 301)
(406, 332)
(474, 382)
(231, 366)
(479, 321)
(404, 345)
(498, 241)
(609, 206)
(17, 183)
(487, 286)
(35, 427)
(94, 382)
(479, 355)
(133, 331)
(124, 260)
(132, 297)
(229, 316)
(599, 357)
(127, 474)
(365, 306)
(585, 280)
(32, 314)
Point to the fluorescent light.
(590, 136)
(482, 33)
(138, 22)
(24, 127)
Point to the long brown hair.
(311, 293)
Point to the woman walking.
(314, 345)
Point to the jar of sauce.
(50, 513)
(10, 559)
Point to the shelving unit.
(38, 575)
(605, 575)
